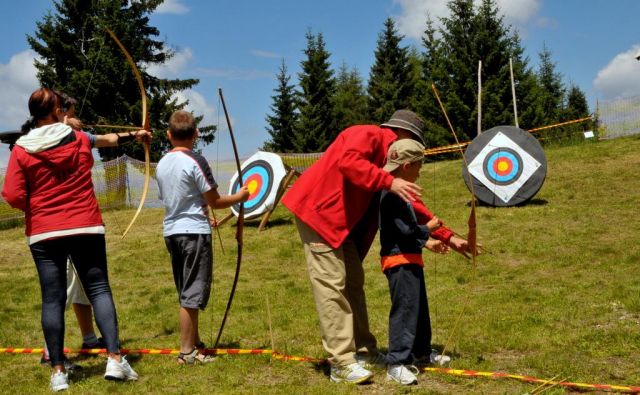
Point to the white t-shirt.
(183, 177)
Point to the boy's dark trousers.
(409, 323)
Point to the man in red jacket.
(336, 204)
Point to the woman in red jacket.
(49, 178)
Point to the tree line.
(77, 56)
(307, 117)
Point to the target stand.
(267, 179)
(508, 166)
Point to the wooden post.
(225, 219)
(281, 190)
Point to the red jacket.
(423, 215)
(53, 187)
(336, 193)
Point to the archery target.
(508, 166)
(262, 173)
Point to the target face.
(262, 173)
(502, 166)
(508, 166)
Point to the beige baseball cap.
(403, 151)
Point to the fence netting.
(620, 117)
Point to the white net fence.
(619, 117)
(119, 183)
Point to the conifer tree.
(282, 124)
(317, 87)
(460, 61)
(552, 89)
(432, 66)
(389, 87)
(350, 100)
(79, 58)
(576, 107)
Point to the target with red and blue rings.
(503, 166)
(258, 177)
(507, 166)
(262, 173)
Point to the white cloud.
(198, 105)
(518, 12)
(172, 67)
(17, 82)
(264, 54)
(412, 20)
(172, 7)
(621, 77)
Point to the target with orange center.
(258, 177)
(262, 173)
(502, 166)
(507, 166)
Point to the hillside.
(558, 294)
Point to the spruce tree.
(282, 124)
(80, 59)
(437, 133)
(458, 89)
(389, 86)
(317, 125)
(495, 47)
(350, 100)
(576, 107)
(553, 91)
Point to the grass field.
(558, 296)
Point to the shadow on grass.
(272, 223)
(530, 202)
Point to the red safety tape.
(284, 357)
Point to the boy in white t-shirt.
(187, 189)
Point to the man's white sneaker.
(354, 374)
(119, 370)
(59, 381)
(377, 361)
(439, 359)
(403, 374)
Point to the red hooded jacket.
(336, 193)
(53, 187)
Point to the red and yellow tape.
(284, 357)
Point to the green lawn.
(558, 296)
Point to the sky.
(239, 45)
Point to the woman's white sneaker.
(59, 381)
(119, 370)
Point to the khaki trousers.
(337, 282)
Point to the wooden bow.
(239, 225)
(471, 223)
(145, 126)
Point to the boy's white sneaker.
(353, 373)
(59, 381)
(119, 370)
(439, 359)
(403, 374)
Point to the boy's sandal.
(194, 357)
